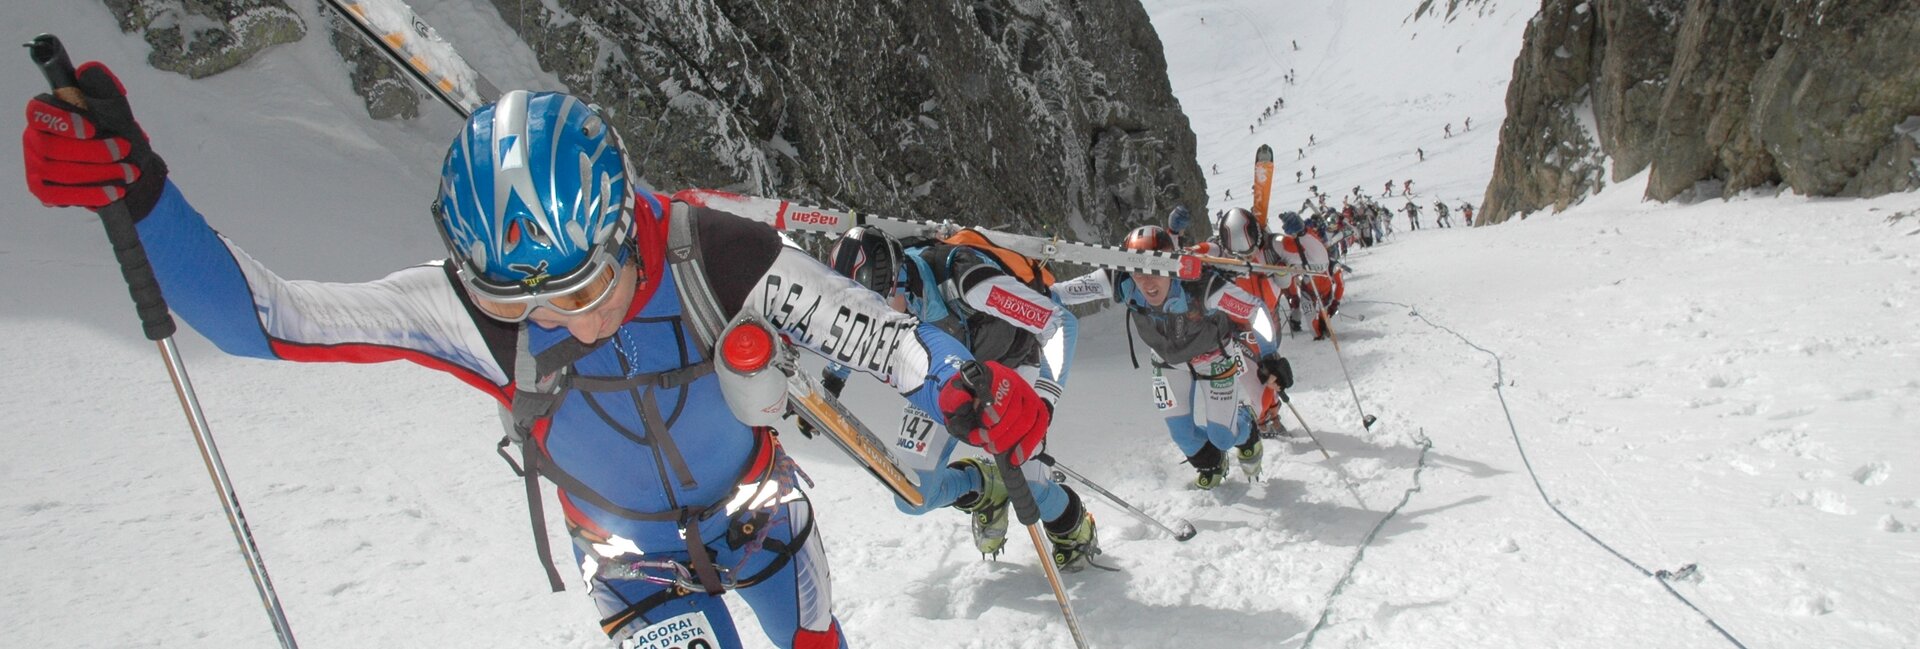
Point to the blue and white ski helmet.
(534, 196)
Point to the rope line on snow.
(1354, 564)
(1664, 577)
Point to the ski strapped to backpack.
(433, 63)
(793, 217)
(542, 381)
(804, 395)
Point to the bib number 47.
(1163, 393)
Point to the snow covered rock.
(1715, 98)
(199, 38)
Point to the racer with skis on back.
(557, 299)
(1298, 246)
(972, 296)
(1238, 234)
(1211, 332)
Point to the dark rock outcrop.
(1048, 116)
(1052, 116)
(1715, 97)
(199, 38)
(389, 93)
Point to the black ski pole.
(47, 53)
(1184, 531)
(1366, 420)
(1024, 506)
(1323, 453)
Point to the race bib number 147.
(916, 428)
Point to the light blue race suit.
(1205, 338)
(971, 296)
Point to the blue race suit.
(633, 465)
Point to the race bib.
(1163, 393)
(687, 631)
(916, 429)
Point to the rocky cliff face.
(1714, 97)
(1054, 115)
(1049, 116)
(199, 38)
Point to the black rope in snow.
(1664, 577)
(1361, 553)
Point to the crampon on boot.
(987, 508)
(1075, 549)
(1249, 454)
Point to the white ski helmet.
(1240, 233)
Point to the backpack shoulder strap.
(535, 394)
(698, 305)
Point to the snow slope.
(1728, 384)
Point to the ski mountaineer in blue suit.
(1209, 331)
(973, 297)
(670, 500)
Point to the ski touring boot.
(1074, 549)
(1213, 470)
(1270, 426)
(1249, 454)
(987, 508)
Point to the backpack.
(1032, 272)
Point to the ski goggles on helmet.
(585, 295)
(574, 293)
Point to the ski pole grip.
(1018, 492)
(155, 321)
(51, 56)
(980, 381)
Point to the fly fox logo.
(1022, 311)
